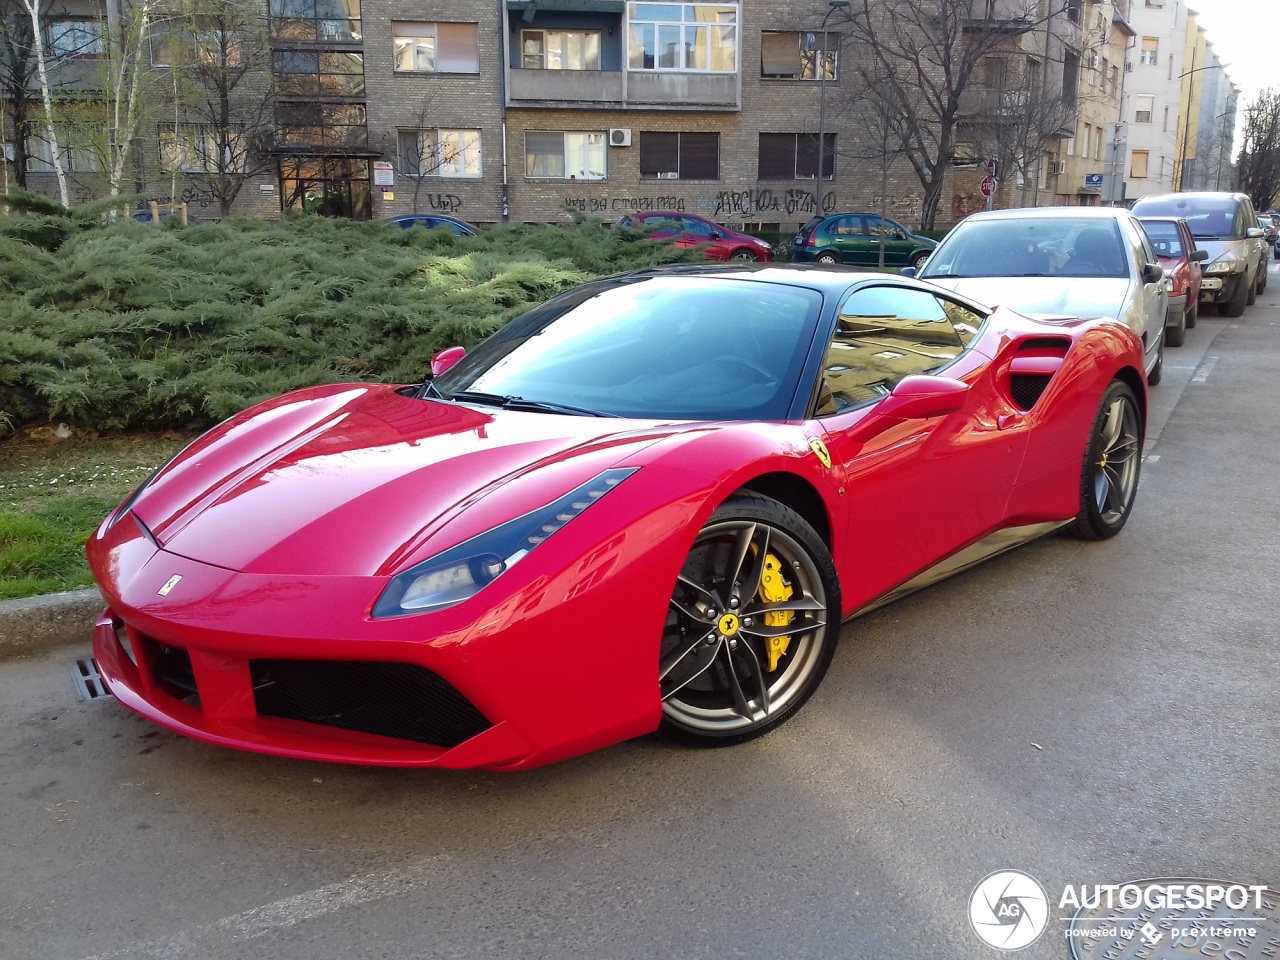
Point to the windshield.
(1164, 237)
(663, 347)
(1210, 218)
(1030, 247)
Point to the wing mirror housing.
(445, 359)
(1253, 233)
(908, 271)
(716, 235)
(1151, 272)
(1199, 255)
(918, 397)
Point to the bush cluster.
(123, 326)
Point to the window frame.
(828, 156)
(545, 47)
(436, 171)
(565, 154)
(448, 57)
(637, 43)
(806, 64)
(93, 46)
(681, 136)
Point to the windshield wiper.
(520, 403)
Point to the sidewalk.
(35, 624)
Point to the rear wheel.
(827, 259)
(1254, 289)
(1112, 463)
(752, 625)
(1175, 335)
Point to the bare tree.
(219, 52)
(429, 151)
(36, 11)
(1258, 166)
(924, 54)
(19, 87)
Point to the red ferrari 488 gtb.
(649, 503)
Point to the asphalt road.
(1088, 713)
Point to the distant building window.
(560, 49)
(1150, 51)
(693, 37)
(679, 156)
(76, 37)
(798, 55)
(196, 148)
(1138, 164)
(331, 21)
(303, 73)
(564, 156)
(74, 147)
(1071, 147)
(1143, 107)
(332, 125)
(794, 156)
(440, 153)
(437, 47)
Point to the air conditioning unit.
(620, 136)
(1128, 67)
(1059, 166)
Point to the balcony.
(1001, 16)
(623, 90)
(1121, 12)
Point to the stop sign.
(988, 186)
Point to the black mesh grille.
(173, 671)
(1026, 388)
(388, 699)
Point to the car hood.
(1234, 250)
(1048, 296)
(349, 480)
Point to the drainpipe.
(504, 46)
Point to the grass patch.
(53, 495)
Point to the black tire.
(1193, 315)
(714, 660)
(744, 254)
(827, 259)
(1157, 372)
(1262, 275)
(1253, 289)
(1176, 335)
(1235, 307)
(1112, 465)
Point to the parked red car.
(718, 242)
(1176, 248)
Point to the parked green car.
(856, 238)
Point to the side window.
(696, 228)
(1148, 251)
(884, 334)
(846, 227)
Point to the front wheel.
(919, 259)
(1157, 372)
(1112, 462)
(1193, 314)
(752, 625)
(1254, 289)
(744, 254)
(1175, 334)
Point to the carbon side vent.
(1033, 366)
(1025, 388)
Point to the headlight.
(463, 571)
(1222, 266)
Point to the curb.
(36, 624)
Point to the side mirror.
(445, 359)
(918, 397)
(1151, 272)
(1253, 233)
(908, 271)
(716, 235)
(1199, 255)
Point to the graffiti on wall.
(745, 203)
(963, 204)
(442, 202)
(624, 204)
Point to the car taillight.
(813, 239)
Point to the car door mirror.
(1199, 254)
(1151, 272)
(1253, 233)
(715, 235)
(908, 271)
(445, 359)
(920, 396)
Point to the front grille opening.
(87, 680)
(397, 700)
(173, 672)
(1026, 388)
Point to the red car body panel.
(286, 523)
(1184, 274)
(724, 247)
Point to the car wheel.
(1176, 335)
(1235, 307)
(744, 254)
(1112, 462)
(1253, 290)
(1262, 275)
(918, 259)
(826, 259)
(752, 625)
(1193, 315)
(1157, 372)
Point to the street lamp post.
(1186, 123)
(832, 7)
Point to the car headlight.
(1223, 266)
(463, 571)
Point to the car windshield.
(663, 347)
(1210, 218)
(1164, 237)
(1030, 246)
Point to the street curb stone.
(36, 624)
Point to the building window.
(331, 21)
(1115, 80)
(76, 37)
(201, 47)
(309, 125)
(1071, 146)
(440, 153)
(195, 148)
(564, 156)
(1070, 76)
(794, 156)
(560, 49)
(1138, 165)
(1150, 51)
(74, 147)
(1143, 105)
(701, 37)
(331, 73)
(797, 55)
(679, 156)
(437, 47)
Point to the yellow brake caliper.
(773, 589)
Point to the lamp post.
(832, 7)
(1186, 123)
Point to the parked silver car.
(1060, 261)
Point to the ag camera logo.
(1009, 910)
